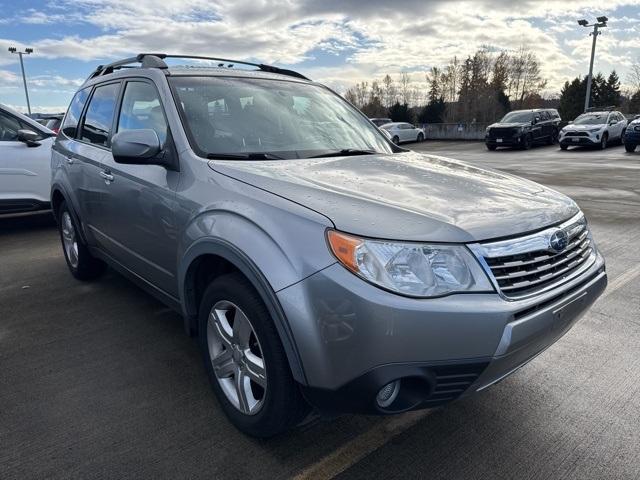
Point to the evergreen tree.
(400, 113)
(634, 103)
(572, 98)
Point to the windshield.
(258, 119)
(517, 117)
(591, 119)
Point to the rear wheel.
(245, 360)
(527, 142)
(630, 147)
(396, 140)
(81, 263)
(553, 138)
(420, 137)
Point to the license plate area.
(498, 140)
(565, 315)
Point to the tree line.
(482, 88)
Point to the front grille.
(502, 132)
(576, 134)
(528, 265)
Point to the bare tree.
(389, 90)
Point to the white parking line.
(621, 280)
(352, 452)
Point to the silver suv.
(321, 267)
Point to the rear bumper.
(354, 338)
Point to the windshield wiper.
(243, 156)
(345, 152)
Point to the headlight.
(415, 269)
(593, 130)
(487, 130)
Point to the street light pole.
(27, 51)
(602, 22)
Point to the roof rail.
(156, 60)
(601, 109)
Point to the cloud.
(369, 38)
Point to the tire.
(420, 137)
(604, 141)
(630, 147)
(563, 146)
(491, 147)
(252, 358)
(553, 138)
(528, 142)
(624, 132)
(396, 140)
(81, 263)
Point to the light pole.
(601, 23)
(27, 51)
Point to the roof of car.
(145, 63)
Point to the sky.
(336, 42)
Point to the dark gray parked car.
(319, 264)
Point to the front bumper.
(506, 141)
(591, 139)
(354, 338)
(632, 137)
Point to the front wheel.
(563, 146)
(490, 147)
(81, 263)
(245, 360)
(630, 147)
(396, 140)
(527, 142)
(603, 142)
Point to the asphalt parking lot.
(99, 381)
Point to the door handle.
(108, 178)
(69, 160)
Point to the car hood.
(408, 196)
(581, 128)
(508, 125)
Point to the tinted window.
(544, 116)
(72, 118)
(517, 117)
(99, 117)
(141, 108)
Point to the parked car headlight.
(594, 130)
(414, 269)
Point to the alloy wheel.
(69, 239)
(236, 357)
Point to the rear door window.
(98, 119)
(72, 118)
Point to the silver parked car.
(403, 132)
(595, 129)
(319, 265)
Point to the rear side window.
(141, 109)
(9, 126)
(72, 118)
(96, 126)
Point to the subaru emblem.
(558, 241)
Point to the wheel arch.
(211, 257)
(59, 195)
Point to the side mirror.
(137, 147)
(29, 137)
(535, 120)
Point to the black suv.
(523, 128)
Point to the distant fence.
(455, 131)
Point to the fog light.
(388, 394)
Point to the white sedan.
(403, 132)
(25, 163)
